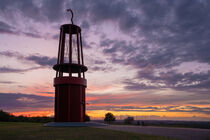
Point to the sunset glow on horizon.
(146, 59)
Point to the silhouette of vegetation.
(87, 118)
(128, 120)
(109, 117)
(7, 117)
(4, 116)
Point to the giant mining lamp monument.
(70, 82)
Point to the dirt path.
(178, 133)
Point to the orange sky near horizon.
(99, 114)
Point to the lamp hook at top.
(72, 15)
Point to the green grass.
(36, 131)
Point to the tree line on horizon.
(8, 117)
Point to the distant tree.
(142, 123)
(109, 117)
(128, 120)
(21, 118)
(5, 116)
(87, 118)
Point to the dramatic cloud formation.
(14, 70)
(7, 29)
(6, 82)
(174, 80)
(42, 61)
(4, 28)
(18, 102)
(27, 102)
(139, 52)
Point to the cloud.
(99, 68)
(47, 92)
(37, 59)
(128, 103)
(197, 83)
(41, 60)
(188, 109)
(44, 61)
(99, 62)
(4, 25)
(24, 102)
(163, 97)
(12, 54)
(14, 102)
(160, 35)
(167, 34)
(102, 11)
(85, 25)
(7, 82)
(53, 10)
(15, 70)
(200, 103)
(33, 35)
(32, 12)
(100, 65)
(171, 34)
(35, 10)
(7, 29)
(133, 86)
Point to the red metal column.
(69, 90)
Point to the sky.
(149, 59)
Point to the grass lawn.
(36, 131)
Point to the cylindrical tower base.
(69, 99)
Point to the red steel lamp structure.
(70, 82)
